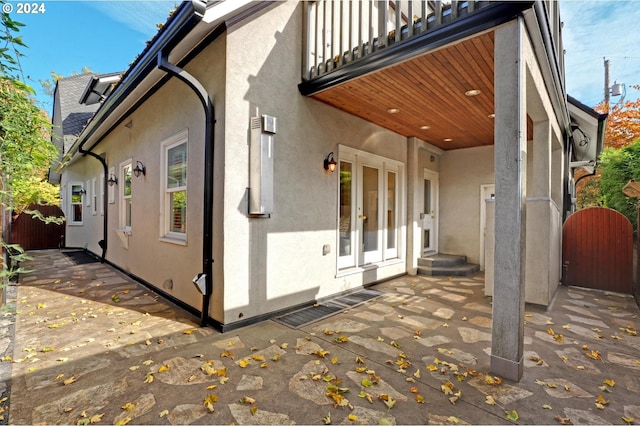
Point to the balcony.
(421, 69)
(343, 31)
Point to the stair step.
(442, 260)
(463, 270)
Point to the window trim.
(122, 197)
(166, 234)
(94, 197)
(71, 205)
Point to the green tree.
(49, 85)
(617, 167)
(26, 151)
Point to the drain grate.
(80, 257)
(315, 313)
(308, 315)
(354, 299)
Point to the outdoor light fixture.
(113, 180)
(82, 191)
(140, 169)
(330, 163)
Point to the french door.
(369, 204)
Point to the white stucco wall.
(278, 262)
(461, 174)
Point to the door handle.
(363, 217)
(433, 214)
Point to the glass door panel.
(346, 231)
(369, 217)
(391, 210)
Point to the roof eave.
(188, 15)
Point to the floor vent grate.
(323, 310)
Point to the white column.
(413, 186)
(510, 207)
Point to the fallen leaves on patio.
(512, 415)
(210, 401)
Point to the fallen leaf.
(134, 367)
(244, 362)
(628, 420)
(601, 400)
(247, 400)
(447, 387)
(563, 420)
(512, 415)
(164, 368)
(327, 419)
(149, 378)
(594, 355)
(96, 418)
(388, 400)
(129, 406)
(419, 399)
(147, 362)
(210, 401)
(610, 382)
(163, 413)
(547, 407)
(453, 419)
(189, 331)
(70, 380)
(490, 400)
(352, 417)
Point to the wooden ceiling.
(429, 90)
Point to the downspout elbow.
(207, 226)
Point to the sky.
(107, 35)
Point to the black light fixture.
(113, 180)
(82, 191)
(330, 163)
(140, 169)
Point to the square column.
(413, 201)
(510, 149)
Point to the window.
(174, 222)
(101, 184)
(94, 194)
(76, 204)
(125, 180)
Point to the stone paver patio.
(92, 346)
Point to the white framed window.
(126, 194)
(101, 184)
(76, 203)
(174, 188)
(88, 194)
(370, 200)
(94, 196)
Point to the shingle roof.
(73, 114)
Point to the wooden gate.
(597, 250)
(34, 234)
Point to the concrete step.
(442, 260)
(446, 265)
(463, 270)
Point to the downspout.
(207, 226)
(105, 199)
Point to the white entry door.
(429, 214)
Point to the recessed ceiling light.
(447, 139)
(491, 115)
(473, 92)
(425, 127)
(393, 110)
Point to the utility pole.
(606, 82)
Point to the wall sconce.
(330, 163)
(82, 191)
(140, 169)
(113, 180)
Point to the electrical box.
(263, 130)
